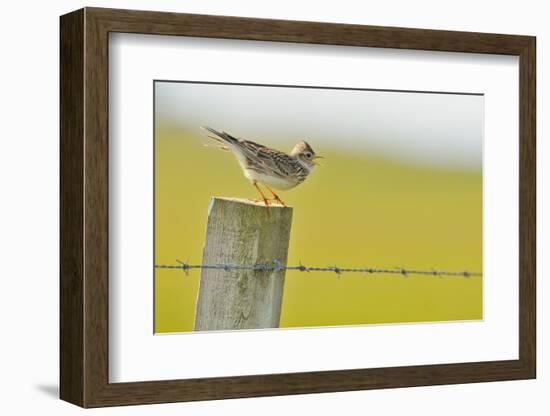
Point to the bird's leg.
(279, 200)
(266, 202)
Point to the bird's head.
(305, 155)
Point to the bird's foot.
(264, 200)
(268, 202)
(279, 200)
(275, 196)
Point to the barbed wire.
(277, 265)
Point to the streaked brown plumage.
(268, 166)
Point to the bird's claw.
(265, 201)
(280, 201)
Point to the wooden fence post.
(242, 232)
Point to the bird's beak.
(317, 157)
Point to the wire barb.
(277, 265)
(184, 266)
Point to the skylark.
(272, 168)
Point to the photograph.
(291, 206)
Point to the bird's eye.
(308, 155)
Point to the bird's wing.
(258, 157)
(263, 159)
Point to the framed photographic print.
(255, 207)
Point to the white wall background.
(29, 209)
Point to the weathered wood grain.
(71, 100)
(241, 232)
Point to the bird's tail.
(221, 137)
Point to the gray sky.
(434, 129)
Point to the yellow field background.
(356, 210)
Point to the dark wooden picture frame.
(84, 207)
